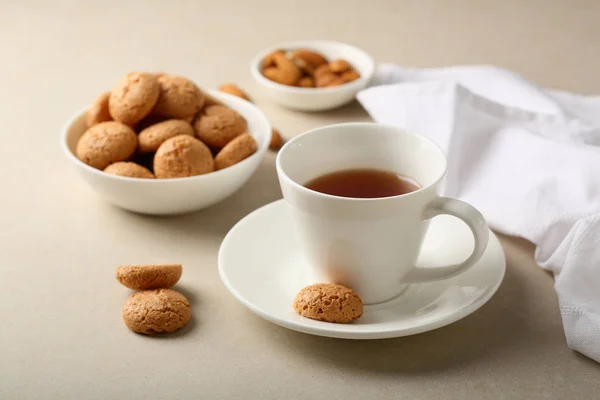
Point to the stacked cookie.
(155, 308)
(233, 89)
(162, 126)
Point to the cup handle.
(473, 218)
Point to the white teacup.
(370, 245)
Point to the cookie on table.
(156, 311)
(133, 97)
(129, 169)
(153, 136)
(328, 302)
(276, 140)
(106, 143)
(235, 151)
(182, 156)
(144, 277)
(233, 89)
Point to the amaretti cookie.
(235, 151)
(182, 156)
(156, 311)
(106, 143)
(178, 98)
(154, 276)
(133, 97)
(328, 302)
(129, 169)
(219, 127)
(153, 136)
(98, 112)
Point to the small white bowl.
(179, 195)
(316, 99)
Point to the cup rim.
(283, 175)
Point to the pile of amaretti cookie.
(162, 126)
(155, 308)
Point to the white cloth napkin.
(528, 158)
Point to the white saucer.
(261, 264)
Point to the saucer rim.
(326, 331)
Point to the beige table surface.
(61, 334)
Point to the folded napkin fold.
(528, 158)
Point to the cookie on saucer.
(329, 302)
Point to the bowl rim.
(262, 148)
(354, 85)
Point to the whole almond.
(328, 80)
(234, 90)
(338, 66)
(276, 140)
(336, 82)
(285, 71)
(307, 82)
(269, 60)
(272, 73)
(350, 76)
(312, 58)
(322, 70)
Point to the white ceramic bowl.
(316, 99)
(172, 196)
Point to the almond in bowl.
(307, 68)
(312, 75)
